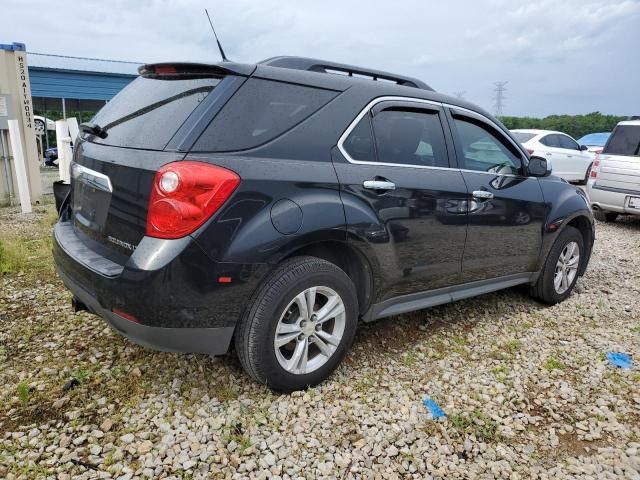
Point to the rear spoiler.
(179, 69)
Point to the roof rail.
(315, 65)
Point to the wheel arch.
(350, 260)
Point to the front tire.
(299, 325)
(560, 271)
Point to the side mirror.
(584, 147)
(539, 167)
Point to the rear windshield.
(523, 137)
(149, 111)
(625, 140)
(259, 112)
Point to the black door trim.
(418, 301)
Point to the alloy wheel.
(309, 330)
(566, 267)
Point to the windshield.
(594, 139)
(148, 112)
(523, 137)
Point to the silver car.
(614, 181)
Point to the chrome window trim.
(375, 101)
(78, 170)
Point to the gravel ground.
(527, 389)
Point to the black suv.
(274, 205)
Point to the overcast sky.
(560, 56)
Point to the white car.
(40, 122)
(568, 159)
(614, 183)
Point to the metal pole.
(7, 166)
(64, 110)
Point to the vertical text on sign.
(25, 90)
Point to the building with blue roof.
(67, 83)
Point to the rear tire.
(605, 216)
(288, 311)
(561, 259)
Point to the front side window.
(568, 143)
(483, 150)
(410, 137)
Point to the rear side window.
(410, 137)
(359, 143)
(259, 112)
(551, 141)
(625, 140)
(523, 137)
(149, 111)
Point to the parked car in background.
(569, 159)
(594, 141)
(51, 157)
(42, 123)
(271, 206)
(614, 183)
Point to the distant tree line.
(574, 125)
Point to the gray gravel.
(527, 391)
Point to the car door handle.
(379, 185)
(482, 194)
(548, 154)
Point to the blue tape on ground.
(622, 360)
(432, 406)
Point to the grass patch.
(552, 363)
(13, 255)
(30, 250)
(475, 423)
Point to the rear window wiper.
(93, 129)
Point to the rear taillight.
(594, 167)
(184, 195)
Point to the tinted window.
(259, 112)
(359, 143)
(410, 137)
(148, 111)
(566, 142)
(483, 150)
(523, 137)
(625, 140)
(550, 141)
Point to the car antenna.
(224, 57)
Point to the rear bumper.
(170, 287)
(214, 341)
(611, 199)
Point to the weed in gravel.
(512, 346)
(409, 359)
(475, 423)
(552, 363)
(23, 394)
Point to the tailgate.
(110, 189)
(618, 171)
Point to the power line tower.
(499, 88)
(460, 94)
